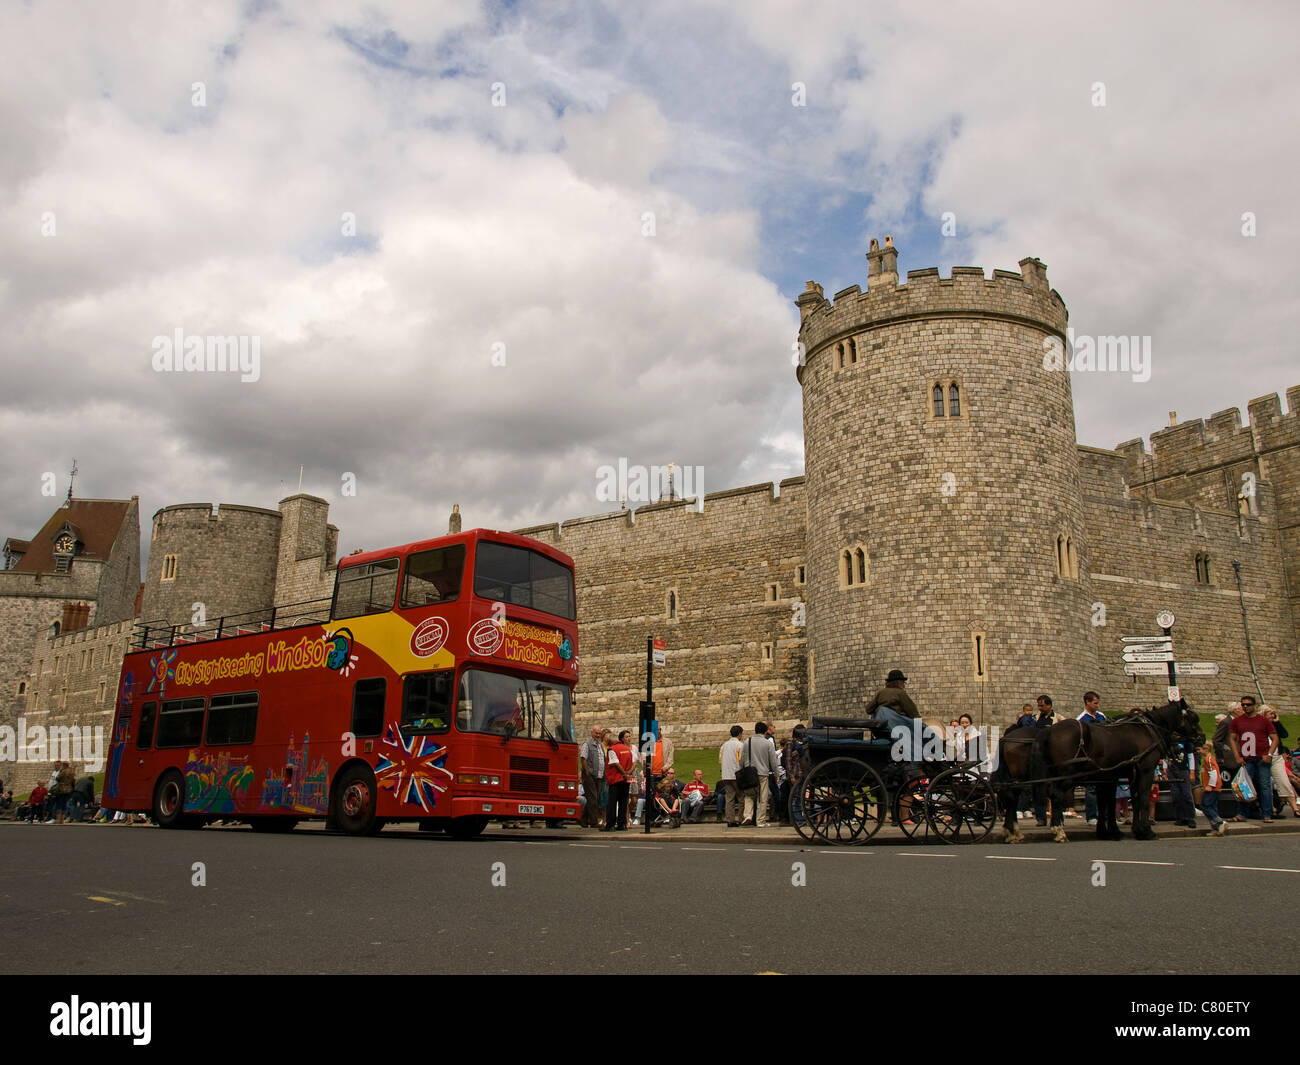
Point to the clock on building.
(64, 544)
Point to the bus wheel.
(169, 801)
(354, 801)
(272, 824)
(466, 827)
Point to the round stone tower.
(223, 557)
(945, 514)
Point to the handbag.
(1243, 787)
(747, 775)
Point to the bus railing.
(149, 635)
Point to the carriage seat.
(876, 726)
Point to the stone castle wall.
(73, 682)
(720, 564)
(1212, 463)
(1144, 559)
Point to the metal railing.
(148, 635)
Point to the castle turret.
(223, 557)
(945, 516)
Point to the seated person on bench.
(667, 805)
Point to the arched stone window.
(672, 605)
(1202, 568)
(954, 401)
(861, 557)
(840, 348)
(938, 400)
(853, 352)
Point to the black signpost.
(648, 731)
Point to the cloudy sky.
(488, 247)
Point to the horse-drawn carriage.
(855, 778)
(857, 774)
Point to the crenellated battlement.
(651, 519)
(1024, 297)
(1223, 441)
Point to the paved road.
(123, 900)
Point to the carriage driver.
(894, 706)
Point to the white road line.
(1259, 869)
(1126, 861)
(635, 847)
(1015, 858)
(598, 846)
(536, 843)
(704, 848)
(918, 854)
(771, 850)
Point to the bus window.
(368, 698)
(144, 738)
(367, 589)
(426, 701)
(181, 723)
(232, 719)
(433, 576)
(513, 706)
(521, 577)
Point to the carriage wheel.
(910, 806)
(962, 806)
(841, 801)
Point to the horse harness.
(1161, 741)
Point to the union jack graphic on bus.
(412, 768)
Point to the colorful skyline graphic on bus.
(294, 787)
(217, 784)
(412, 768)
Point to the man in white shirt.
(729, 758)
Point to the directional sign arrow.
(1148, 656)
(1146, 639)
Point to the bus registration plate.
(526, 809)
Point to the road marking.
(599, 846)
(704, 848)
(535, 843)
(1259, 869)
(1015, 858)
(636, 847)
(919, 854)
(1126, 861)
(772, 850)
(100, 898)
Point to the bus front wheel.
(354, 802)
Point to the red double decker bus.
(435, 685)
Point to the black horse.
(1071, 753)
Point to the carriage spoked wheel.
(841, 801)
(909, 811)
(961, 805)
